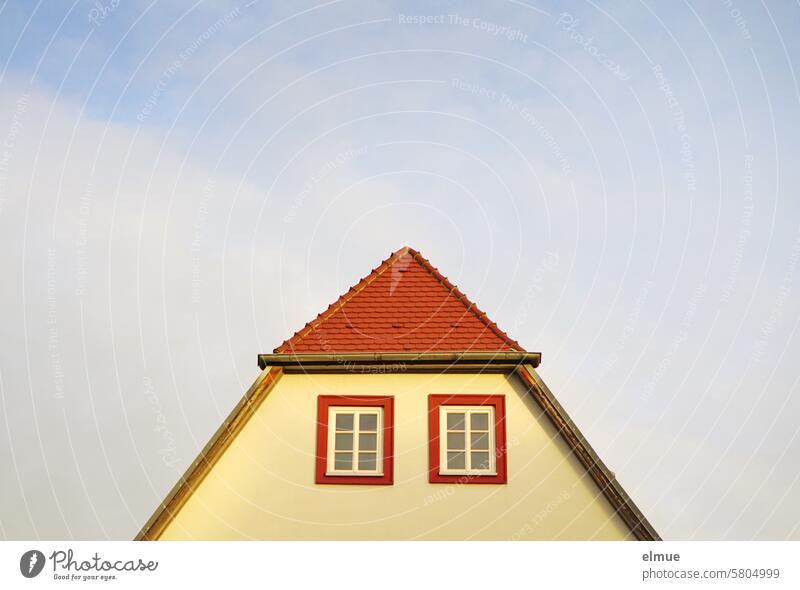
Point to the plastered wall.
(263, 486)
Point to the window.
(467, 439)
(353, 443)
(468, 444)
(355, 439)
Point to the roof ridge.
(346, 297)
(461, 296)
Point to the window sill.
(351, 474)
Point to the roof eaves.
(605, 479)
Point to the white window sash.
(492, 450)
(356, 411)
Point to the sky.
(183, 185)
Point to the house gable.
(263, 486)
(403, 331)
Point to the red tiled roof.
(404, 305)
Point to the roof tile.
(403, 305)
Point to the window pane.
(368, 422)
(479, 421)
(344, 442)
(455, 441)
(344, 421)
(367, 461)
(343, 461)
(479, 441)
(455, 421)
(456, 461)
(368, 442)
(480, 460)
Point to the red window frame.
(324, 403)
(435, 402)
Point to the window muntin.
(355, 440)
(467, 440)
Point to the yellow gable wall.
(263, 486)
